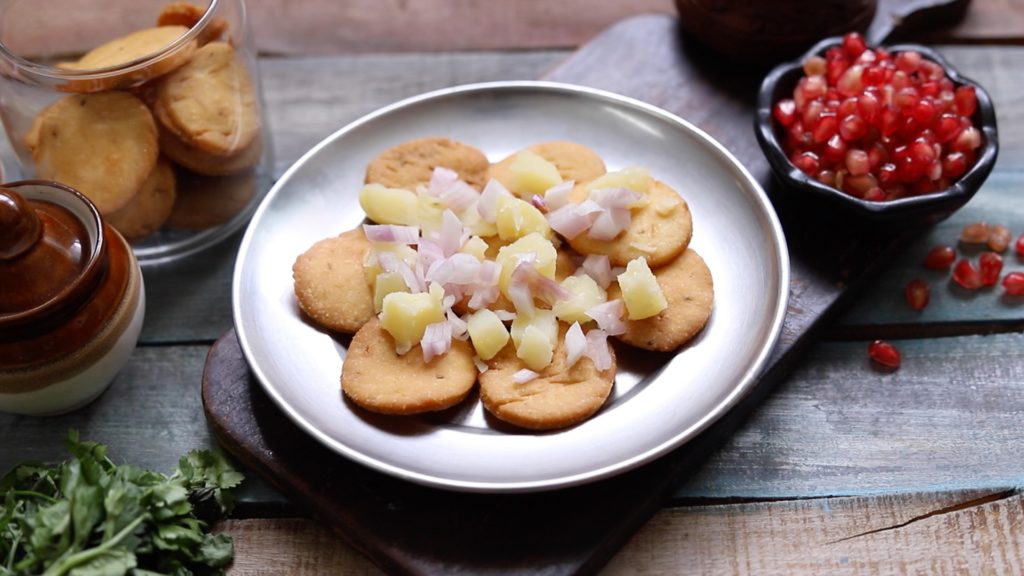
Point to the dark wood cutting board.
(408, 528)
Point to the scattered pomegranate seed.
(1013, 283)
(967, 275)
(940, 258)
(999, 238)
(1019, 246)
(917, 293)
(991, 265)
(884, 355)
(901, 109)
(975, 233)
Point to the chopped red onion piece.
(521, 297)
(610, 223)
(615, 197)
(505, 315)
(575, 345)
(459, 196)
(483, 297)
(392, 263)
(429, 252)
(440, 180)
(597, 349)
(481, 366)
(609, 316)
(450, 238)
(459, 268)
(598, 267)
(558, 195)
(437, 340)
(570, 220)
(488, 204)
(460, 329)
(391, 233)
(539, 203)
(523, 376)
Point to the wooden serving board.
(409, 528)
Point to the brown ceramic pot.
(71, 299)
(770, 31)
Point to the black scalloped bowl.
(913, 210)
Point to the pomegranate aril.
(975, 233)
(847, 107)
(967, 275)
(851, 82)
(828, 125)
(868, 105)
(785, 112)
(877, 155)
(812, 113)
(834, 150)
(827, 177)
(917, 294)
(873, 75)
(812, 87)
(807, 162)
(854, 44)
(1018, 247)
(931, 71)
(890, 120)
(999, 238)
(859, 185)
(925, 110)
(875, 194)
(908, 61)
(884, 355)
(1013, 283)
(887, 174)
(968, 139)
(815, 66)
(966, 100)
(857, 162)
(947, 127)
(929, 88)
(906, 98)
(940, 258)
(853, 128)
(990, 266)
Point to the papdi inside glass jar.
(151, 108)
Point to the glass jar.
(151, 108)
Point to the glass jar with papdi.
(151, 108)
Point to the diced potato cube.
(535, 349)
(532, 174)
(386, 283)
(475, 223)
(406, 316)
(487, 332)
(508, 257)
(430, 212)
(586, 294)
(476, 247)
(389, 205)
(640, 291)
(543, 320)
(517, 218)
(635, 178)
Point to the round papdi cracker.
(125, 50)
(411, 163)
(102, 144)
(574, 162)
(689, 290)
(658, 231)
(148, 211)
(208, 201)
(210, 102)
(203, 162)
(188, 15)
(330, 285)
(557, 398)
(375, 377)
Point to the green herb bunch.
(90, 517)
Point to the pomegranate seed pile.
(879, 126)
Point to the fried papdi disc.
(574, 162)
(330, 285)
(378, 379)
(557, 398)
(659, 231)
(150, 208)
(198, 160)
(412, 163)
(102, 144)
(210, 102)
(188, 15)
(689, 290)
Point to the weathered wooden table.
(841, 470)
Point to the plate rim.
(745, 383)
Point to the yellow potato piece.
(640, 291)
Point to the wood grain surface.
(891, 534)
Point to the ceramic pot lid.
(48, 254)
